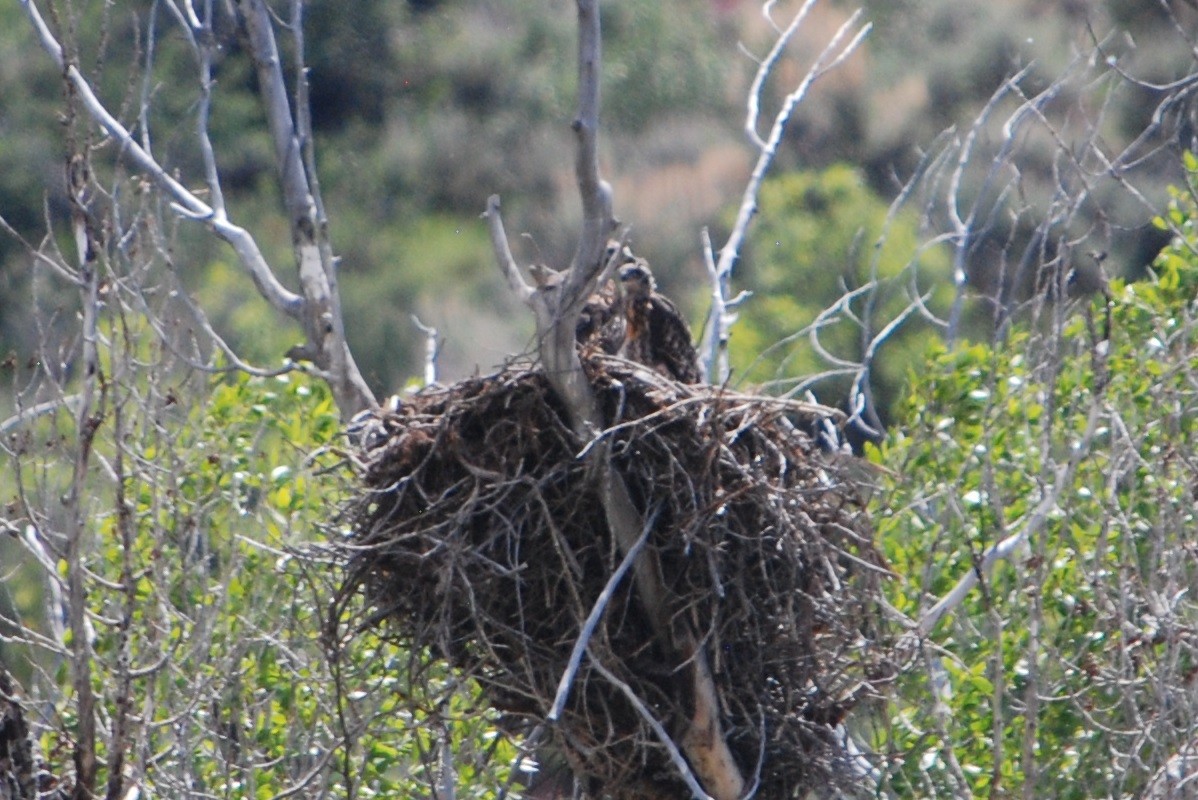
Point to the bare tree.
(317, 305)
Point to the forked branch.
(715, 333)
(556, 301)
(317, 307)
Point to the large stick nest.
(480, 537)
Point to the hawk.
(600, 323)
(656, 335)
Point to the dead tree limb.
(715, 334)
(317, 306)
(556, 302)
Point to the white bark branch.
(829, 58)
(322, 319)
(597, 222)
(588, 627)
(503, 252)
(430, 350)
(89, 415)
(243, 244)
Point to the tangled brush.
(480, 536)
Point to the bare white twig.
(204, 44)
(766, 66)
(430, 350)
(503, 252)
(829, 58)
(27, 415)
(588, 627)
(721, 316)
(713, 331)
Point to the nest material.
(480, 535)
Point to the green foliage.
(238, 604)
(818, 235)
(439, 266)
(208, 595)
(1052, 674)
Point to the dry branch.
(714, 339)
(317, 307)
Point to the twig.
(321, 314)
(714, 332)
(430, 350)
(595, 192)
(527, 746)
(503, 252)
(26, 415)
(588, 628)
(829, 58)
(964, 229)
(676, 757)
(203, 45)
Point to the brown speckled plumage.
(656, 334)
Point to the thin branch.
(60, 269)
(597, 222)
(714, 344)
(829, 58)
(27, 415)
(430, 350)
(503, 252)
(676, 756)
(765, 67)
(203, 51)
(143, 108)
(273, 89)
(89, 415)
(588, 628)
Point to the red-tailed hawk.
(656, 335)
(601, 323)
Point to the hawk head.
(636, 279)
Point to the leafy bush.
(207, 599)
(1068, 671)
